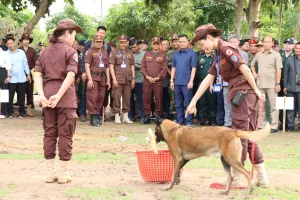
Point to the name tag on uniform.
(101, 65)
(123, 65)
(217, 88)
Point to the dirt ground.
(94, 167)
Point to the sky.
(89, 7)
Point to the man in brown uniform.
(233, 69)
(31, 58)
(97, 70)
(123, 74)
(154, 68)
(57, 64)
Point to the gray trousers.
(291, 114)
(227, 107)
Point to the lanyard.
(218, 68)
(122, 55)
(100, 56)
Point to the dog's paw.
(177, 181)
(166, 188)
(224, 192)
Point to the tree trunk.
(238, 16)
(40, 12)
(253, 22)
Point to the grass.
(99, 193)
(21, 156)
(278, 193)
(90, 158)
(3, 193)
(177, 196)
(100, 157)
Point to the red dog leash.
(261, 106)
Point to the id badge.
(217, 88)
(123, 65)
(101, 65)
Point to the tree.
(224, 18)
(142, 21)
(87, 23)
(42, 7)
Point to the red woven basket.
(155, 167)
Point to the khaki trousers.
(270, 92)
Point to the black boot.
(202, 121)
(146, 120)
(94, 121)
(212, 121)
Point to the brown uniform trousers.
(29, 91)
(124, 91)
(95, 96)
(153, 65)
(124, 78)
(244, 118)
(148, 90)
(59, 123)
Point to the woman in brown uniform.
(232, 68)
(97, 70)
(57, 64)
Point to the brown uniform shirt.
(92, 57)
(230, 61)
(54, 63)
(267, 67)
(31, 57)
(123, 75)
(154, 65)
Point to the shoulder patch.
(223, 61)
(228, 52)
(234, 58)
(75, 57)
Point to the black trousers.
(20, 88)
(291, 114)
(3, 105)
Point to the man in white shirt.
(5, 67)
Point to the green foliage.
(87, 23)
(137, 19)
(19, 5)
(217, 13)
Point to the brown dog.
(189, 143)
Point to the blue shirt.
(19, 66)
(184, 61)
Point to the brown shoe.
(29, 113)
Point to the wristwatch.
(133, 78)
(277, 83)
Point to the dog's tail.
(255, 135)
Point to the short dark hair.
(133, 41)
(297, 43)
(183, 35)
(101, 28)
(10, 38)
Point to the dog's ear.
(158, 119)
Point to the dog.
(187, 143)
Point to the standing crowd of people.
(75, 78)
